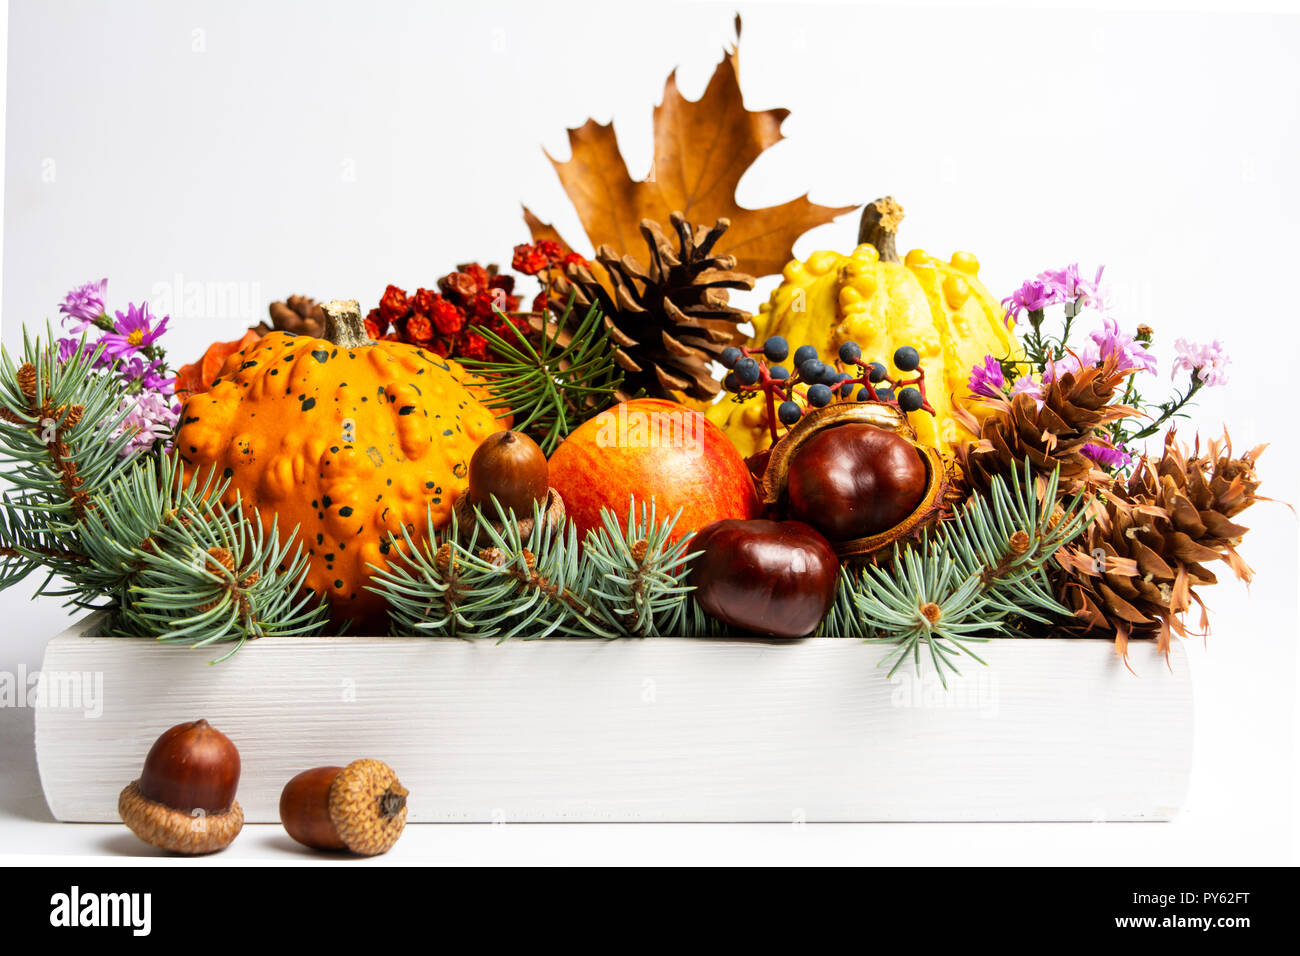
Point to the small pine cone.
(222, 557)
(27, 380)
(298, 314)
(1049, 436)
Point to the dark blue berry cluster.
(815, 384)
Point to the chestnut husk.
(934, 503)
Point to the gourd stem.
(344, 326)
(879, 226)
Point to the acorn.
(360, 808)
(856, 472)
(511, 468)
(185, 800)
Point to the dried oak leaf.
(702, 149)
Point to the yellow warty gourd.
(871, 297)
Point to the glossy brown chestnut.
(855, 480)
(775, 578)
(191, 767)
(305, 809)
(512, 467)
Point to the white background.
(329, 149)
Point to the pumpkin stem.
(344, 326)
(879, 225)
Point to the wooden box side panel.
(661, 729)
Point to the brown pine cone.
(671, 319)
(1074, 408)
(298, 314)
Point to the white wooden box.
(662, 729)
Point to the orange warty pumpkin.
(347, 439)
(199, 376)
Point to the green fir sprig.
(501, 584)
(58, 454)
(504, 584)
(641, 573)
(167, 558)
(113, 541)
(554, 385)
(964, 582)
(205, 573)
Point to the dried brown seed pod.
(360, 807)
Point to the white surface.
(1030, 136)
(647, 731)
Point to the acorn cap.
(467, 522)
(176, 830)
(368, 807)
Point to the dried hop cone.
(1135, 570)
(671, 318)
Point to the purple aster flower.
(1108, 457)
(987, 379)
(151, 418)
(132, 331)
(1072, 287)
(1033, 295)
(1027, 385)
(1069, 362)
(145, 375)
(85, 303)
(1132, 354)
(70, 347)
(1207, 361)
